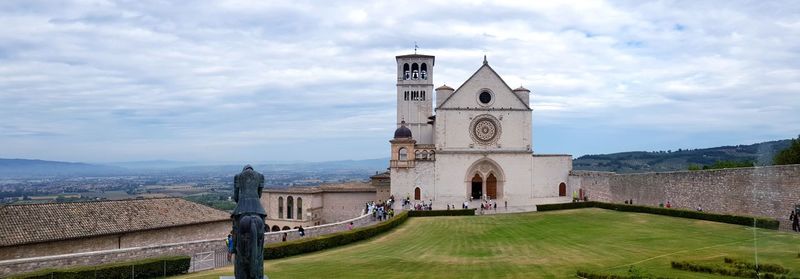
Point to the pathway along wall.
(191, 248)
(771, 191)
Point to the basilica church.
(468, 144)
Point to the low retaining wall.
(16, 266)
(9, 267)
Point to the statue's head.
(247, 167)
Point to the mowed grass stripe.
(539, 245)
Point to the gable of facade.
(484, 80)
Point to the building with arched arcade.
(289, 208)
(475, 142)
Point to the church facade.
(473, 143)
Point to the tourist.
(301, 231)
(668, 205)
(495, 206)
(229, 245)
(699, 207)
(284, 237)
(506, 203)
(350, 226)
(795, 223)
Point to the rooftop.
(33, 223)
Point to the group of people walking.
(381, 210)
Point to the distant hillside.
(24, 168)
(41, 168)
(642, 161)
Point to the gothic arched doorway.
(562, 189)
(417, 194)
(477, 187)
(491, 187)
(484, 179)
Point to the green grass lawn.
(538, 245)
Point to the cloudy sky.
(234, 81)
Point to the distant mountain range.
(625, 162)
(22, 168)
(642, 161)
(40, 168)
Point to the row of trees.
(788, 156)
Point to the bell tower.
(415, 95)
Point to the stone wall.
(203, 231)
(771, 191)
(17, 266)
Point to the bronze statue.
(248, 224)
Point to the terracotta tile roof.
(32, 223)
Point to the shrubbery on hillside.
(790, 155)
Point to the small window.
(289, 206)
(425, 155)
(402, 154)
(299, 208)
(406, 95)
(280, 207)
(485, 97)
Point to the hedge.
(300, 246)
(431, 213)
(592, 275)
(149, 268)
(682, 213)
(763, 267)
(733, 270)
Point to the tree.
(790, 155)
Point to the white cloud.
(166, 79)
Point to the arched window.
(432, 155)
(299, 208)
(289, 206)
(424, 71)
(406, 72)
(406, 96)
(402, 154)
(417, 155)
(286, 228)
(266, 227)
(414, 71)
(424, 155)
(275, 228)
(417, 194)
(280, 207)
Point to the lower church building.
(474, 144)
